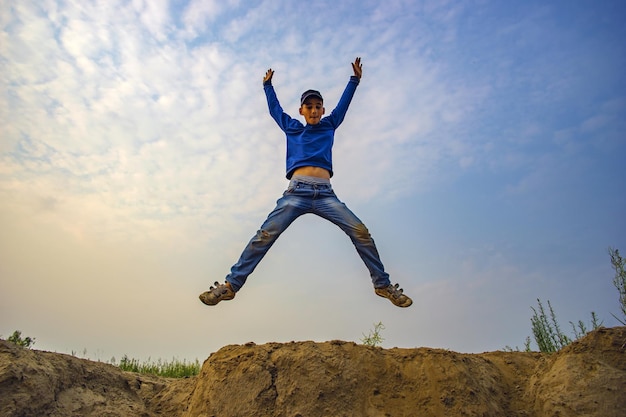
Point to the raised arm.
(284, 121)
(337, 115)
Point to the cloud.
(134, 121)
(200, 16)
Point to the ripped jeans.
(305, 195)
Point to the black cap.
(310, 93)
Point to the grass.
(172, 369)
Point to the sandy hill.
(302, 379)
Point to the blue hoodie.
(310, 145)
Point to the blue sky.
(483, 149)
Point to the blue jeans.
(302, 197)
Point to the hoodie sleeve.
(338, 114)
(284, 121)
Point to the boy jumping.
(309, 169)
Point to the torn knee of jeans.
(263, 234)
(362, 234)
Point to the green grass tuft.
(172, 369)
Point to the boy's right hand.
(268, 76)
(357, 67)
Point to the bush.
(546, 330)
(16, 338)
(548, 334)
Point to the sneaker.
(218, 293)
(394, 294)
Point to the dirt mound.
(588, 378)
(35, 383)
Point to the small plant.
(527, 344)
(619, 281)
(580, 329)
(374, 338)
(545, 327)
(17, 338)
(548, 334)
(527, 348)
(546, 330)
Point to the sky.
(484, 149)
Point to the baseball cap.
(310, 93)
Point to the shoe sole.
(394, 301)
(206, 298)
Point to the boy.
(309, 169)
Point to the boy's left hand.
(357, 68)
(268, 76)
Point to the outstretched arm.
(268, 76)
(338, 114)
(283, 120)
(357, 68)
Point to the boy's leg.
(338, 213)
(285, 212)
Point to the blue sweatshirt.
(310, 145)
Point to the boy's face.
(312, 109)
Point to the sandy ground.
(302, 379)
